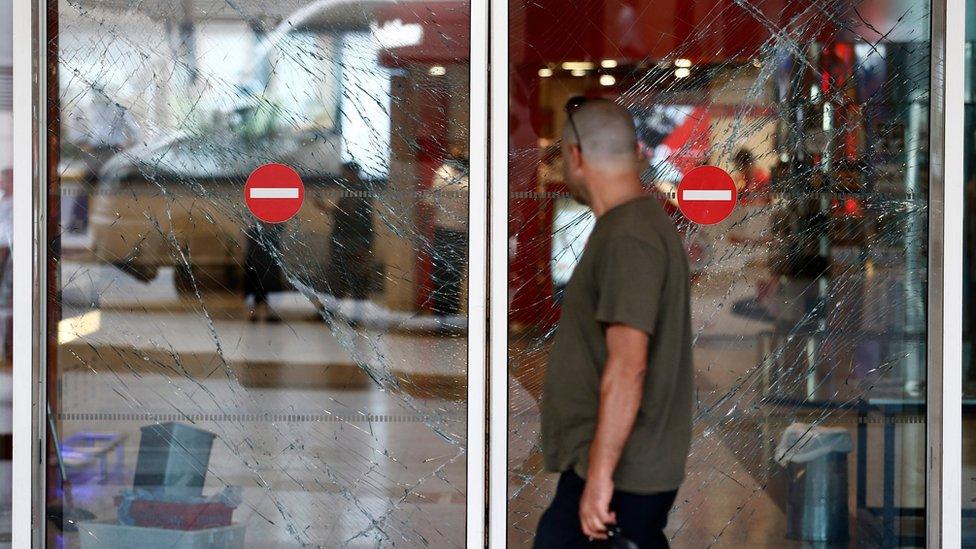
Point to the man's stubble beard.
(577, 192)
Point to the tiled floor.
(343, 436)
(321, 471)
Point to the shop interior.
(304, 383)
(809, 300)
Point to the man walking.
(617, 399)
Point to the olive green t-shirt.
(633, 271)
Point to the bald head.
(608, 133)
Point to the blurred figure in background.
(751, 221)
(450, 246)
(110, 129)
(572, 225)
(6, 345)
(352, 238)
(751, 181)
(969, 290)
(6, 265)
(262, 271)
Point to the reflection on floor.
(338, 436)
(335, 476)
(355, 437)
(735, 495)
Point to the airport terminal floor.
(264, 281)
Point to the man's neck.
(613, 190)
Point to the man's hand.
(594, 511)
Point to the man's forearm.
(621, 390)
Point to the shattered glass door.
(217, 380)
(808, 302)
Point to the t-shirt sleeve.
(631, 281)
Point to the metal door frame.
(945, 271)
(488, 302)
(944, 339)
(29, 296)
(32, 22)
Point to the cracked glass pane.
(807, 303)
(216, 380)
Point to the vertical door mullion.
(29, 148)
(478, 274)
(30, 333)
(944, 388)
(498, 304)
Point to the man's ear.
(576, 156)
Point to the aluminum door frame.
(32, 20)
(488, 303)
(944, 330)
(943, 486)
(29, 156)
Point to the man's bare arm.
(621, 390)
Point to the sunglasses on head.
(572, 105)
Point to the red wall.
(551, 31)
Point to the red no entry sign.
(274, 193)
(707, 195)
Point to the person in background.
(450, 210)
(572, 225)
(751, 180)
(262, 269)
(6, 263)
(352, 238)
(969, 289)
(617, 396)
(111, 128)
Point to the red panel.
(705, 31)
(550, 31)
(446, 38)
(431, 139)
(544, 31)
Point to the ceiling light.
(608, 63)
(607, 80)
(437, 70)
(578, 65)
(682, 72)
(578, 72)
(683, 63)
(545, 72)
(397, 34)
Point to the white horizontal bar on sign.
(706, 195)
(274, 192)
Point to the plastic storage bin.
(180, 516)
(174, 457)
(108, 535)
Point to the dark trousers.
(641, 518)
(349, 273)
(262, 270)
(448, 258)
